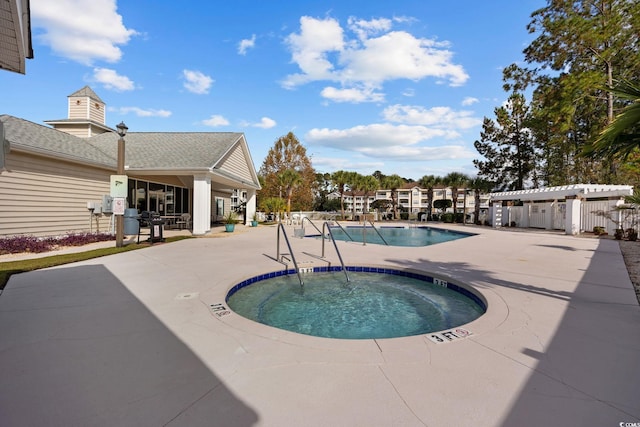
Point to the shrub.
(632, 234)
(19, 244)
(598, 230)
(404, 215)
(447, 217)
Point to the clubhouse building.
(57, 179)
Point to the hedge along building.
(48, 175)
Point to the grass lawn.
(14, 267)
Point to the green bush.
(404, 215)
(447, 217)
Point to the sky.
(399, 87)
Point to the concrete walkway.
(137, 339)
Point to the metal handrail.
(374, 227)
(310, 222)
(293, 258)
(326, 224)
(343, 230)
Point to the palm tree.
(340, 180)
(456, 180)
(289, 180)
(353, 182)
(479, 185)
(622, 136)
(429, 182)
(368, 184)
(393, 182)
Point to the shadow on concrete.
(587, 373)
(77, 348)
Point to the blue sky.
(401, 87)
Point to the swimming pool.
(375, 303)
(398, 236)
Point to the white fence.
(600, 213)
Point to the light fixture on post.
(122, 131)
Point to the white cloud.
(375, 55)
(110, 79)
(391, 142)
(264, 123)
(364, 29)
(215, 121)
(246, 44)
(83, 31)
(332, 164)
(142, 112)
(469, 100)
(310, 49)
(375, 135)
(353, 95)
(197, 82)
(439, 117)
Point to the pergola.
(573, 195)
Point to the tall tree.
(288, 153)
(368, 184)
(479, 186)
(506, 145)
(587, 36)
(429, 182)
(393, 182)
(353, 183)
(324, 187)
(587, 44)
(289, 180)
(456, 181)
(340, 180)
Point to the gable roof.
(86, 92)
(161, 152)
(24, 135)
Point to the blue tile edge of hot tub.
(361, 269)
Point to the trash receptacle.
(131, 223)
(155, 226)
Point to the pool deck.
(142, 338)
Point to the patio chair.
(184, 221)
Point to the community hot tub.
(374, 303)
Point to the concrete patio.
(137, 339)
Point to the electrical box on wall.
(94, 207)
(107, 204)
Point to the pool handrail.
(326, 224)
(343, 230)
(374, 227)
(293, 257)
(310, 222)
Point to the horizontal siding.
(41, 197)
(96, 114)
(78, 111)
(236, 164)
(81, 131)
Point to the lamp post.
(122, 131)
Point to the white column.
(573, 217)
(251, 205)
(201, 204)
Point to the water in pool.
(371, 305)
(398, 236)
